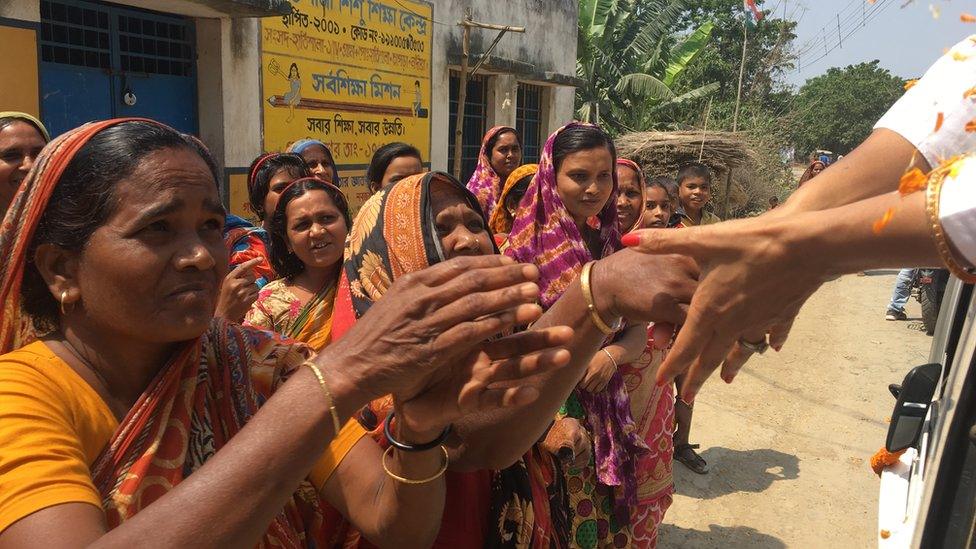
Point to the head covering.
(22, 218)
(808, 173)
(30, 119)
(393, 234)
(544, 233)
(642, 183)
(501, 220)
(485, 184)
(302, 144)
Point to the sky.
(906, 40)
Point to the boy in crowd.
(694, 193)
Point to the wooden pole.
(728, 191)
(462, 96)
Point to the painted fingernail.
(630, 240)
(778, 348)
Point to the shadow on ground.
(732, 471)
(717, 536)
(881, 272)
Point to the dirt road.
(789, 442)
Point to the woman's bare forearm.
(847, 235)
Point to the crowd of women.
(311, 379)
(470, 365)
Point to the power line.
(879, 8)
(849, 26)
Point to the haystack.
(661, 153)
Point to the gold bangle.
(933, 195)
(336, 424)
(612, 360)
(591, 305)
(405, 480)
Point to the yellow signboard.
(354, 74)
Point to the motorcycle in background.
(928, 287)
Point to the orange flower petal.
(959, 56)
(911, 84)
(971, 126)
(967, 18)
(939, 119)
(912, 181)
(880, 224)
(969, 93)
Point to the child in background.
(659, 208)
(694, 193)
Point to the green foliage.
(629, 55)
(837, 110)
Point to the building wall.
(18, 62)
(549, 43)
(228, 68)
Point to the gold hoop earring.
(64, 294)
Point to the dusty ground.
(789, 442)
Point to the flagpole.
(742, 70)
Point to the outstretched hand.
(499, 374)
(427, 341)
(753, 282)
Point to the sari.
(544, 233)
(244, 242)
(484, 183)
(16, 329)
(298, 146)
(394, 234)
(197, 402)
(501, 219)
(277, 309)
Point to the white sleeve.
(957, 209)
(943, 90)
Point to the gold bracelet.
(336, 424)
(405, 480)
(933, 195)
(612, 360)
(591, 305)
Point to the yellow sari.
(278, 310)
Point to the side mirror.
(913, 403)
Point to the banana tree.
(629, 57)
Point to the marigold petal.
(967, 17)
(969, 93)
(939, 119)
(971, 126)
(959, 56)
(880, 224)
(912, 181)
(910, 84)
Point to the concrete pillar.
(559, 104)
(228, 88)
(25, 10)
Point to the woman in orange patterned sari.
(138, 417)
(652, 406)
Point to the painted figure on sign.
(418, 101)
(294, 95)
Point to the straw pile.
(660, 153)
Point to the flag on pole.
(753, 15)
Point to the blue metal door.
(102, 61)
